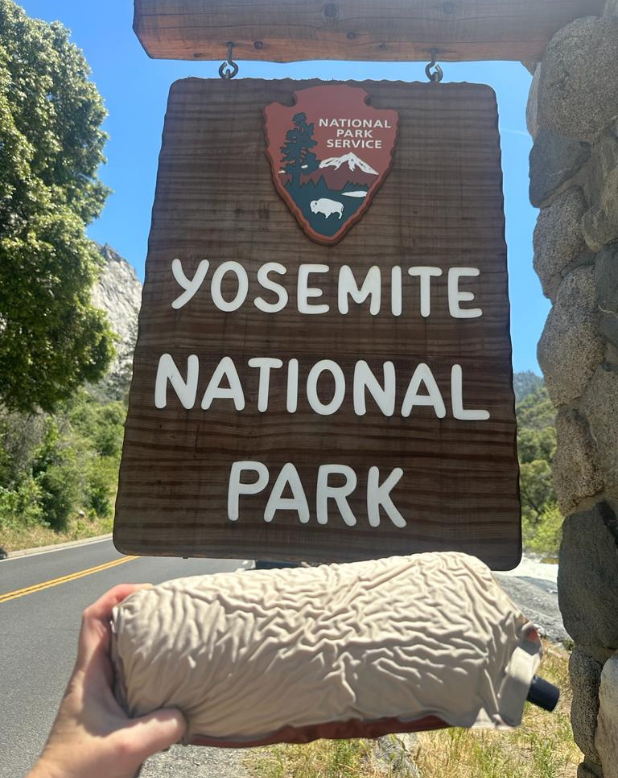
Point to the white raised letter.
(423, 374)
(379, 495)
(272, 286)
(455, 296)
(264, 364)
(236, 487)
(190, 286)
(312, 387)
(214, 391)
(372, 287)
(339, 494)
(425, 274)
(287, 476)
(241, 292)
(396, 291)
(291, 403)
(304, 292)
(457, 399)
(364, 380)
(185, 390)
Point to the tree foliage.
(536, 411)
(297, 155)
(536, 445)
(51, 337)
(54, 466)
(525, 383)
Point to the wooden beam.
(293, 30)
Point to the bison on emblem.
(327, 207)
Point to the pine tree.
(297, 158)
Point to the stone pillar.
(573, 116)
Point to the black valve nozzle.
(543, 694)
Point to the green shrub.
(101, 424)
(544, 535)
(102, 484)
(58, 471)
(21, 507)
(537, 490)
(60, 490)
(54, 466)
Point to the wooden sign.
(390, 30)
(298, 400)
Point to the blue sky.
(135, 90)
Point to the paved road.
(38, 632)
(533, 587)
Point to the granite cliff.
(119, 293)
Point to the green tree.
(101, 423)
(297, 155)
(544, 536)
(58, 475)
(536, 488)
(536, 410)
(525, 383)
(536, 446)
(53, 467)
(51, 337)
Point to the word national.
(346, 124)
(417, 387)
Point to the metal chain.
(229, 68)
(436, 75)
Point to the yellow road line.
(65, 579)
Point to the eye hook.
(229, 68)
(435, 76)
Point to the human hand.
(92, 736)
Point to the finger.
(103, 607)
(95, 631)
(157, 731)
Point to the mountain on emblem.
(329, 154)
(352, 162)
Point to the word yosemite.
(225, 384)
(312, 278)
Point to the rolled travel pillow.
(338, 651)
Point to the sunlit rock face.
(119, 293)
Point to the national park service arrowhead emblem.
(329, 154)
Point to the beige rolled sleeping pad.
(342, 650)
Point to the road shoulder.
(56, 547)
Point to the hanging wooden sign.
(323, 367)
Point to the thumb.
(159, 730)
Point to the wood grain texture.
(389, 30)
(441, 205)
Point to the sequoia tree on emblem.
(329, 153)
